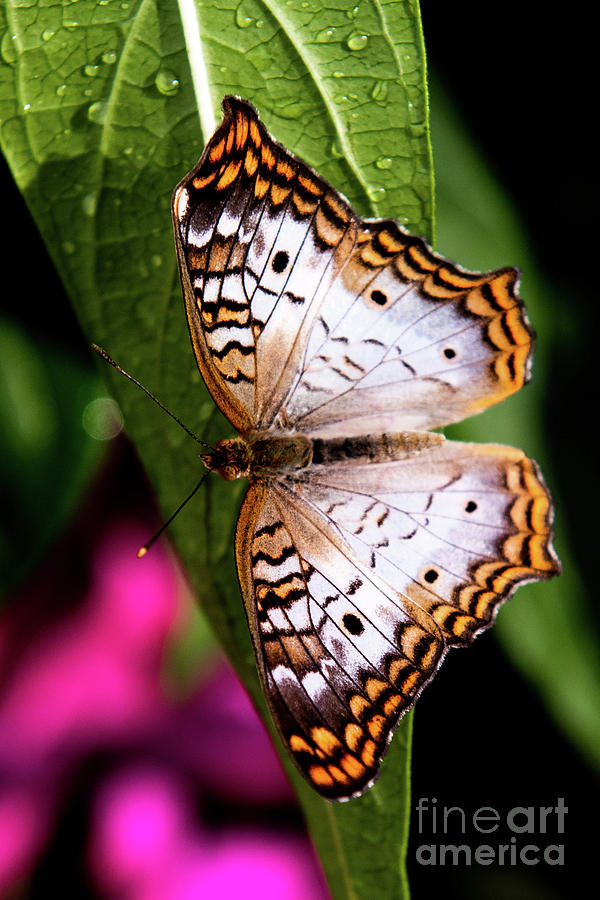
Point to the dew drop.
(336, 150)
(352, 13)
(242, 20)
(26, 107)
(338, 74)
(61, 90)
(91, 71)
(97, 112)
(9, 49)
(384, 162)
(417, 129)
(167, 82)
(357, 41)
(325, 36)
(110, 57)
(47, 35)
(380, 90)
(157, 261)
(376, 194)
(293, 109)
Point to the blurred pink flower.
(91, 682)
(95, 673)
(146, 846)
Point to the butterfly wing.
(259, 240)
(406, 338)
(294, 302)
(455, 527)
(340, 655)
(359, 577)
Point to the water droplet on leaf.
(376, 194)
(242, 20)
(167, 82)
(380, 90)
(9, 48)
(97, 112)
(384, 162)
(325, 36)
(357, 41)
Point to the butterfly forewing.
(361, 568)
(260, 239)
(294, 301)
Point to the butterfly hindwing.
(341, 657)
(454, 528)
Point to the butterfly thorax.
(261, 455)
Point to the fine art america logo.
(523, 835)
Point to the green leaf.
(546, 630)
(104, 107)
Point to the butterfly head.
(230, 458)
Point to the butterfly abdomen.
(373, 447)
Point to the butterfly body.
(263, 455)
(367, 545)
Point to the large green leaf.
(104, 106)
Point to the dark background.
(521, 76)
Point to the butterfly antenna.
(143, 550)
(101, 352)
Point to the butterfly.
(367, 545)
